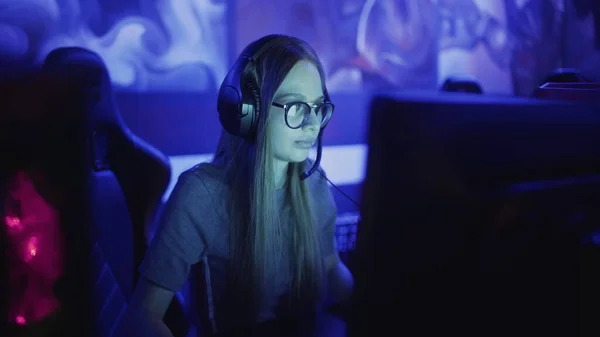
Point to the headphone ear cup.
(230, 102)
(238, 103)
(250, 110)
(256, 107)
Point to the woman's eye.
(295, 110)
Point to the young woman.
(260, 233)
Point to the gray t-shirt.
(194, 228)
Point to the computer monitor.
(569, 91)
(475, 212)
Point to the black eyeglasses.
(297, 114)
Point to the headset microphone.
(315, 166)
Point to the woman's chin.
(299, 155)
(295, 156)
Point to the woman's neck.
(280, 177)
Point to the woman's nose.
(313, 122)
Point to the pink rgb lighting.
(35, 251)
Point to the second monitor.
(476, 217)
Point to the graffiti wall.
(187, 45)
(148, 45)
(582, 48)
(175, 53)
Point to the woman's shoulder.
(201, 191)
(200, 181)
(207, 173)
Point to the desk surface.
(325, 325)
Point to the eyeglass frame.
(286, 107)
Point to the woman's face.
(303, 83)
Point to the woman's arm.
(144, 316)
(340, 280)
(178, 244)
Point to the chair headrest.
(86, 74)
(462, 84)
(565, 75)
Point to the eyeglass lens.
(298, 113)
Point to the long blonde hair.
(256, 238)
